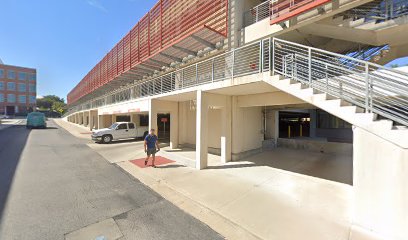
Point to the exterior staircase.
(364, 94)
(357, 116)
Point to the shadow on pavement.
(171, 166)
(12, 143)
(123, 141)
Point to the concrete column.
(95, 120)
(174, 126)
(152, 115)
(101, 122)
(276, 132)
(313, 123)
(226, 131)
(113, 118)
(91, 120)
(201, 130)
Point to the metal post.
(161, 84)
(269, 54)
(171, 81)
(256, 13)
(260, 55)
(233, 63)
(182, 78)
(327, 78)
(273, 56)
(367, 88)
(196, 73)
(212, 70)
(310, 66)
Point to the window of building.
(1, 73)
(22, 99)
(11, 98)
(1, 97)
(1, 85)
(22, 87)
(11, 74)
(32, 99)
(22, 76)
(31, 88)
(11, 86)
(32, 77)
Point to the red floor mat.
(159, 161)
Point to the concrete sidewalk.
(242, 200)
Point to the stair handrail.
(375, 88)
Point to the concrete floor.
(272, 195)
(334, 167)
(53, 186)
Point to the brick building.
(18, 89)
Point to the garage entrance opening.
(294, 124)
(123, 118)
(163, 126)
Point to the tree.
(52, 103)
(46, 102)
(59, 107)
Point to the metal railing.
(370, 86)
(257, 13)
(242, 61)
(375, 88)
(379, 10)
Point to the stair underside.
(342, 109)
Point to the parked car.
(36, 120)
(5, 117)
(119, 130)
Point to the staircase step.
(288, 81)
(339, 102)
(353, 109)
(357, 22)
(322, 97)
(310, 91)
(298, 85)
(365, 117)
(383, 124)
(400, 127)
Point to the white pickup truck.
(119, 130)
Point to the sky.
(64, 39)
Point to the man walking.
(151, 146)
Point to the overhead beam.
(204, 42)
(171, 57)
(185, 50)
(159, 62)
(150, 66)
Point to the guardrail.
(257, 13)
(379, 10)
(242, 61)
(373, 87)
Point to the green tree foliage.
(52, 103)
(59, 107)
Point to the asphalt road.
(53, 184)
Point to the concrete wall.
(247, 125)
(380, 185)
